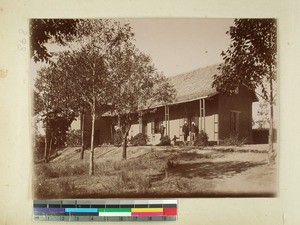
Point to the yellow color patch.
(147, 209)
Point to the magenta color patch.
(147, 214)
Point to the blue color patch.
(82, 210)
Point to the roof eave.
(189, 100)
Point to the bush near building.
(260, 136)
(139, 140)
(201, 139)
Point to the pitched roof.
(190, 86)
(195, 84)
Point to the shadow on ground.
(211, 170)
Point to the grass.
(137, 181)
(135, 164)
(234, 140)
(50, 170)
(148, 171)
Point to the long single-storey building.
(217, 114)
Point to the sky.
(177, 45)
(181, 45)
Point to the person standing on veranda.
(185, 131)
(194, 131)
(162, 131)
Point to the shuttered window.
(152, 127)
(234, 121)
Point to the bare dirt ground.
(152, 171)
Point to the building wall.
(242, 104)
(175, 129)
(87, 129)
(75, 125)
(134, 130)
(211, 118)
(103, 130)
(179, 113)
(217, 119)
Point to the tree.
(44, 30)
(87, 71)
(263, 115)
(56, 120)
(251, 61)
(137, 86)
(42, 103)
(64, 68)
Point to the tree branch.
(251, 89)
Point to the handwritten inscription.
(21, 47)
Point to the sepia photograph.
(154, 108)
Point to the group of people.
(186, 130)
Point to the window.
(234, 121)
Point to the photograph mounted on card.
(154, 108)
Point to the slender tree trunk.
(50, 149)
(91, 172)
(46, 148)
(119, 121)
(271, 128)
(124, 152)
(93, 113)
(46, 142)
(82, 136)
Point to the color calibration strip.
(105, 210)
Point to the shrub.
(58, 189)
(134, 180)
(46, 171)
(184, 184)
(261, 136)
(139, 139)
(64, 187)
(139, 163)
(164, 141)
(118, 139)
(234, 140)
(74, 138)
(55, 171)
(172, 163)
(201, 139)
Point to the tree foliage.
(44, 30)
(85, 70)
(251, 57)
(87, 64)
(251, 60)
(263, 115)
(47, 108)
(102, 70)
(137, 86)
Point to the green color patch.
(114, 209)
